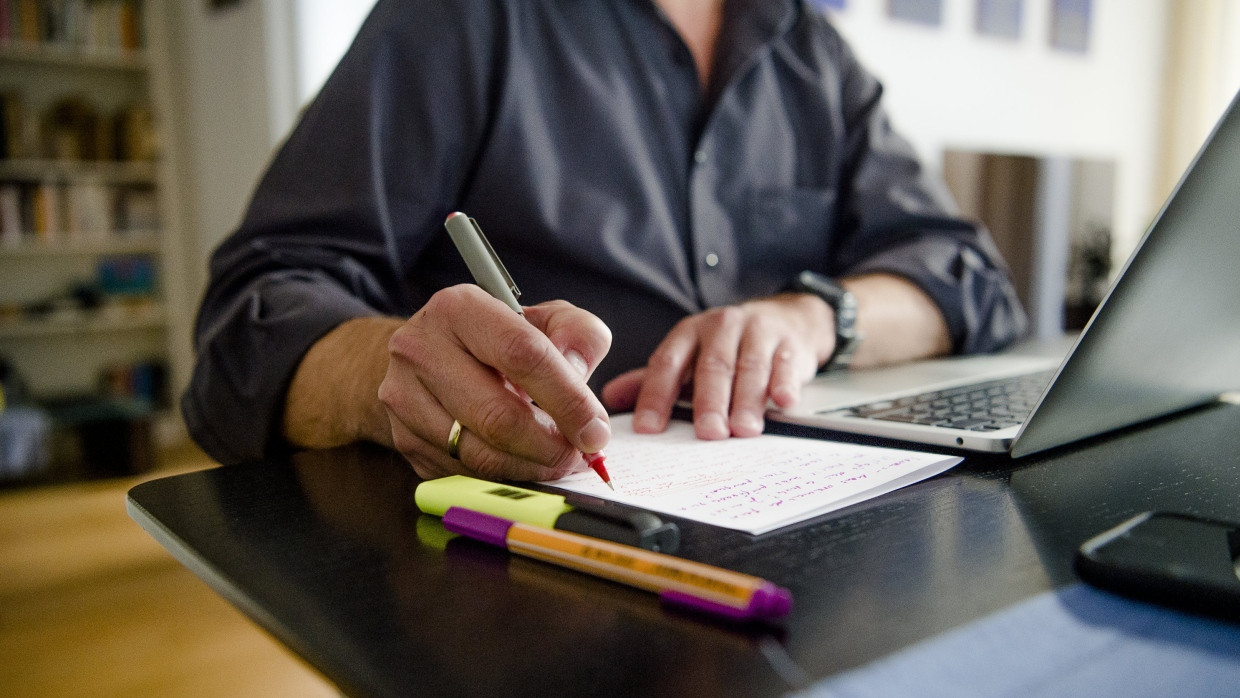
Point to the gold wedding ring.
(454, 440)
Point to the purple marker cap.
(476, 525)
(769, 602)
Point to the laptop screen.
(1167, 335)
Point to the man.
(657, 169)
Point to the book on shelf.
(88, 206)
(73, 129)
(126, 277)
(12, 232)
(72, 212)
(135, 137)
(87, 25)
(136, 211)
(48, 200)
(14, 138)
(143, 380)
(45, 208)
(29, 21)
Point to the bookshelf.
(86, 225)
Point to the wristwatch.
(844, 305)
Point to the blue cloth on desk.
(1077, 641)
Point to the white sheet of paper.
(755, 484)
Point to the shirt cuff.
(977, 300)
(234, 405)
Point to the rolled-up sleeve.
(351, 197)
(898, 218)
(249, 345)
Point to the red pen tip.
(595, 461)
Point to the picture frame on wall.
(836, 5)
(1070, 24)
(927, 12)
(1000, 18)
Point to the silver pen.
(490, 274)
(480, 257)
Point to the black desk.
(329, 554)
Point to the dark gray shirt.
(576, 133)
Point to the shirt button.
(712, 260)
(699, 157)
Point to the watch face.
(846, 312)
(844, 305)
(822, 286)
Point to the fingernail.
(712, 426)
(578, 361)
(646, 421)
(749, 423)
(784, 396)
(595, 436)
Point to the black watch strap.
(844, 307)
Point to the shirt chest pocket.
(785, 232)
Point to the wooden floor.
(90, 605)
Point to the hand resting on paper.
(735, 359)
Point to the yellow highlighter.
(618, 524)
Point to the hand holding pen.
(489, 273)
(457, 359)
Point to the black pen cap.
(640, 529)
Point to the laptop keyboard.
(987, 406)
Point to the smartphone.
(1186, 562)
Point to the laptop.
(1165, 338)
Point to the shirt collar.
(749, 25)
